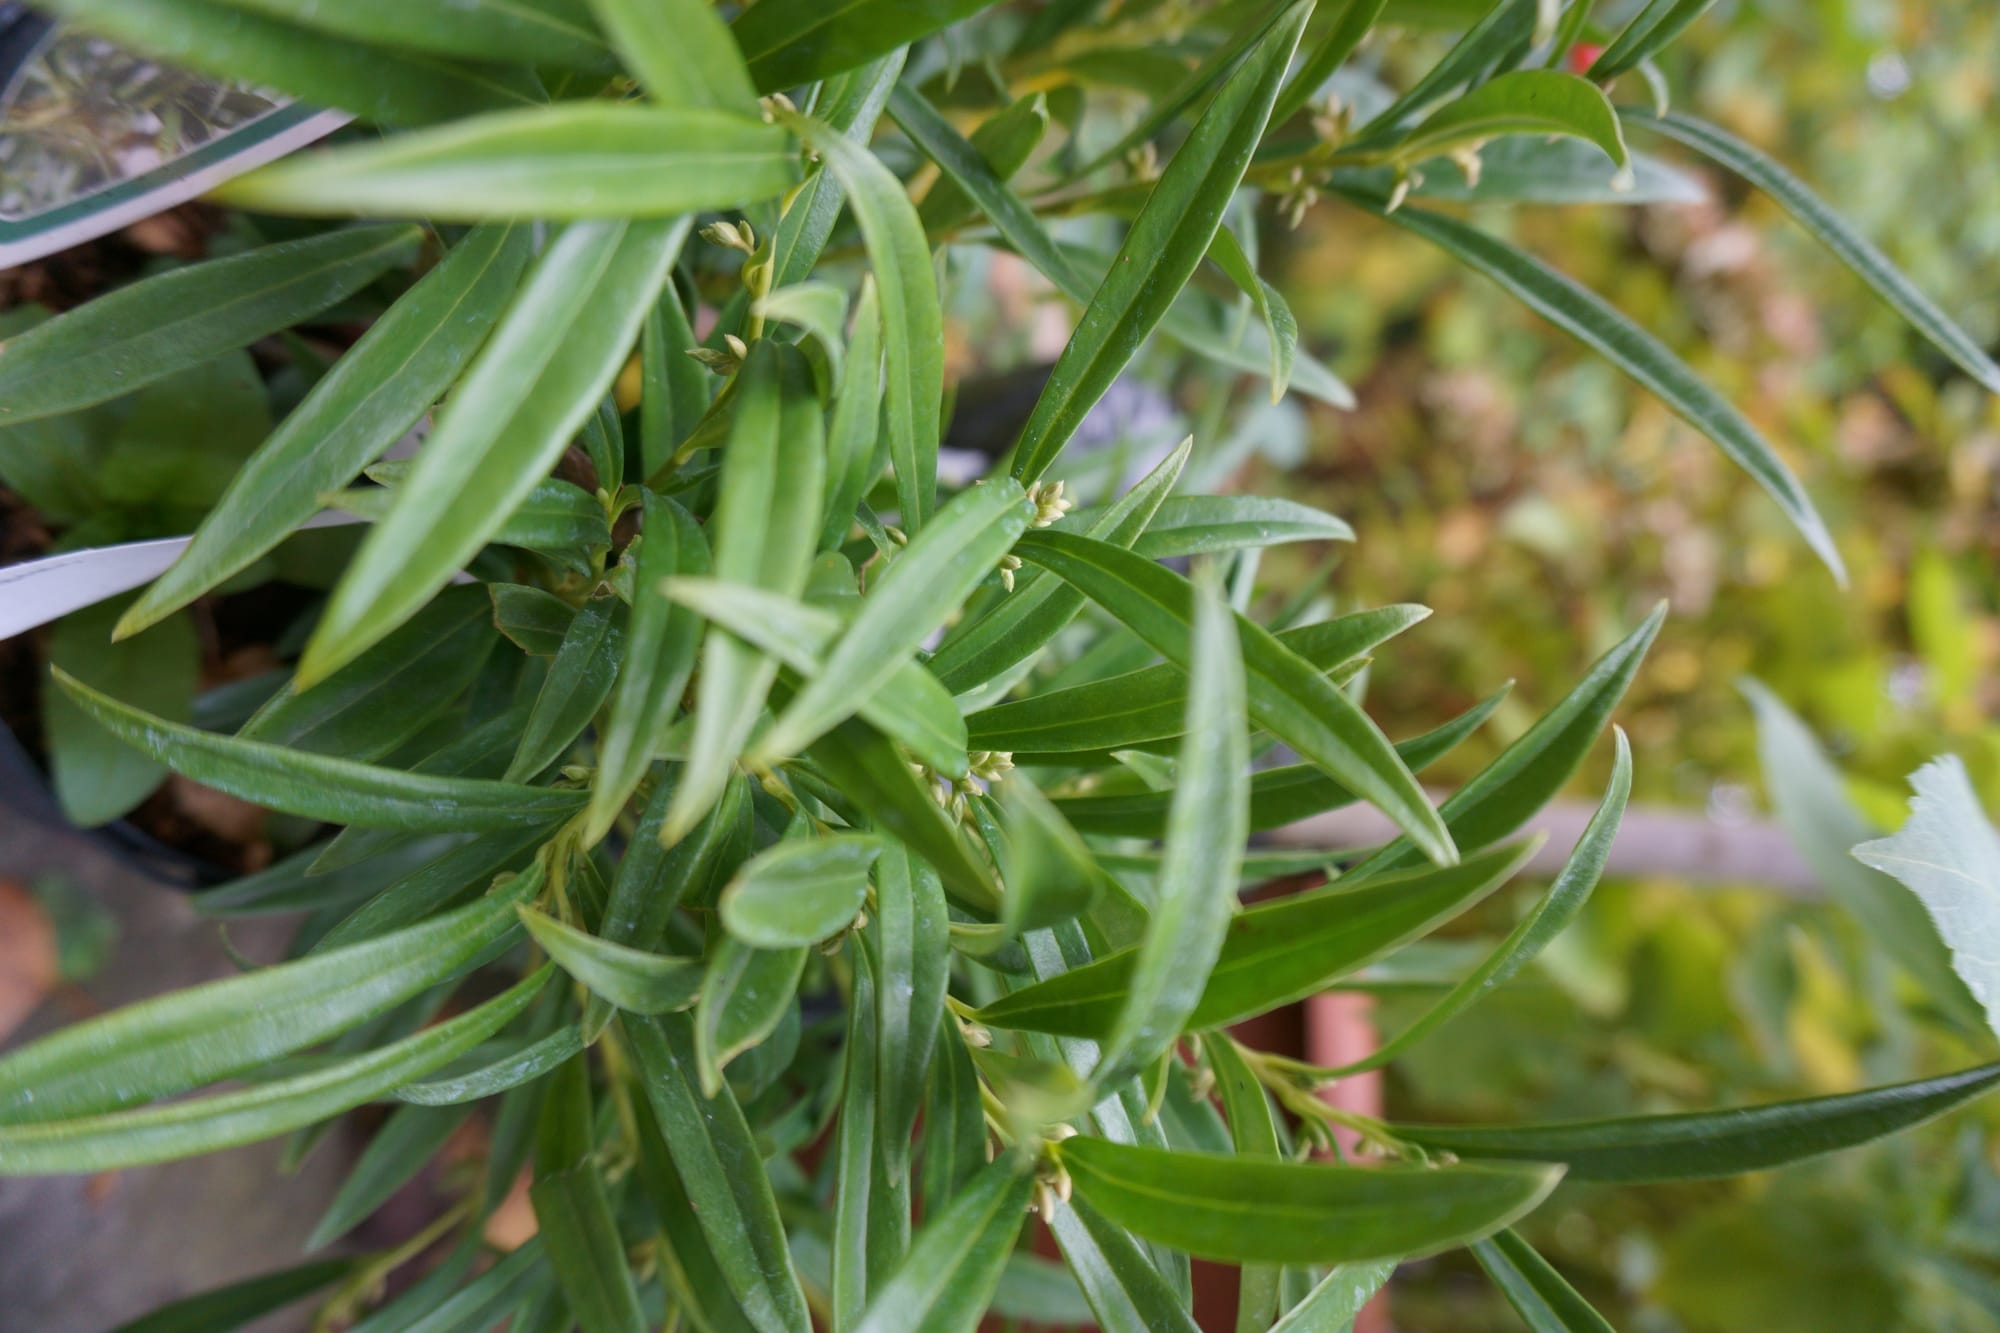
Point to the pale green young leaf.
(800, 891)
(790, 42)
(820, 308)
(681, 50)
(363, 405)
(164, 1133)
(1251, 1210)
(1592, 320)
(947, 1280)
(574, 161)
(529, 32)
(632, 979)
(1163, 248)
(1832, 231)
(912, 319)
(339, 791)
(543, 372)
(1545, 1302)
(129, 338)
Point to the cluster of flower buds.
(1049, 503)
(1008, 564)
(731, 236)
(722, 362)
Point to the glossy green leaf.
(908, 930)
(1041, 604)
(337, 790)
(524, 1065)
(800, 891)
(363, 405)
(911, 707)
(205, 1033)
(1701, 1145)
(852, 104)
(746, 992)
(955, 1132)
(660, 646)
(557, 517)
(241, 1303)
(1166, 243)
(532, 386)
(139, 334)
(945, 1283)
(1287, 696)
(868, 769)
(1125, 1291)
(1649, 31)
(1050, 874)
(574, 161)
(1335, 1301)
(573, 1213)
(403, 1146)
(632, 979)
(1327, 56)
(721, 1169)
(492, 1295)
(533, 620)
(688, 1267)
(1832, 231)
(1196, 892)
(552, 32)
(1600, 326)
(857, 413)
(1535, 931)
(578, 683)
(1204, 524)
(150, 1134)
(763, 527)
(1247, 1210)
(790, 42)
(1545, 1302)
(383, 697)
(653, 879)
(1253, 1131)
(1149, 704)
(854, 1156)
(1273, 953)
(1504, 795)
(452, 877)
(922, 588)
(387, 87)
(912, 319)
(681, 50)
(1501, 26)
(1004, 142)
(1527, 101)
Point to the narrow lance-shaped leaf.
(681, 50)
(403, 1146)
(1528, 101)
(800, 891)
(1504, 795)
(541, 375)
(1280, 325)
(790, 42)
(1649, 31)
(1253, 1129)
(1205, 524)
(1334, 1302)
(1593, 321)
(1125, 1291)
(525, 1065)
(1545, 1302)
(857, 413)
(912, 319)
(339, 791)
(1535, 932)
(689, 1269)
(1287, 697)
(632, 979)
(921, 589)
(1196, 892)
(660, 646)
(852, 104)
(573, 1214)
(1248, 1210)
(763, 527)
(1166, 243)
(1832, 231)
(908, 930)
(538, 32)
(384, 86)
(746, 994)
(577, 160)
(948, 1278)
(1004, 142)
(1502, 26)
(912, 707)
(367, 402)
(1272, 953)
(854, 1155)
(578, 682)
(954, 1121)
(208, 1124)
(131, 337)
(241, 1303)
(1702, 1145)
(1326, 58)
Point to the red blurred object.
(1583, 55)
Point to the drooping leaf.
(946, 1281)
(1501, 26)
(337, 790)
(1526, 101)
(1251, 1210)
(1281, 327)
(789, 42)
(543, 372)
(632, 979)
(1166, 243)
(1196, 892)
(580, 160)
(681, 50)
(1592, 320)
(1832, 231)
(1948, 855)
(1701, 1145)
(1545, 1302)
(132, 337)
(119, 1139)
(1287, 697)
(1272, 953)
(800, 891)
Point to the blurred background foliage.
(1503, 475)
